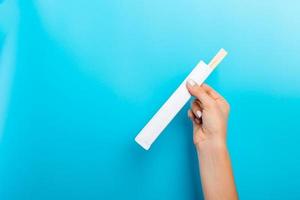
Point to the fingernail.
(199, 114)
(191, 82)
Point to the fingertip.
(188, 112)
(191, 82)
(191, 114)
(199, 114)
(190, 85)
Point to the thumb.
(198, 92)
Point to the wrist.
(211, 146)
(212, 154)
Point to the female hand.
(209, 113)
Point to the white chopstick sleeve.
(171, 107)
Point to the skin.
(209, 135)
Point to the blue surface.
(79, 79)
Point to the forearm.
(216, 173)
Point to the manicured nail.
(191, 82)
(199, 114)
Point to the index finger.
(199, 92)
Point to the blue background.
(79, 79)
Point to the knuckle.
(211, 104)
(227, 106)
